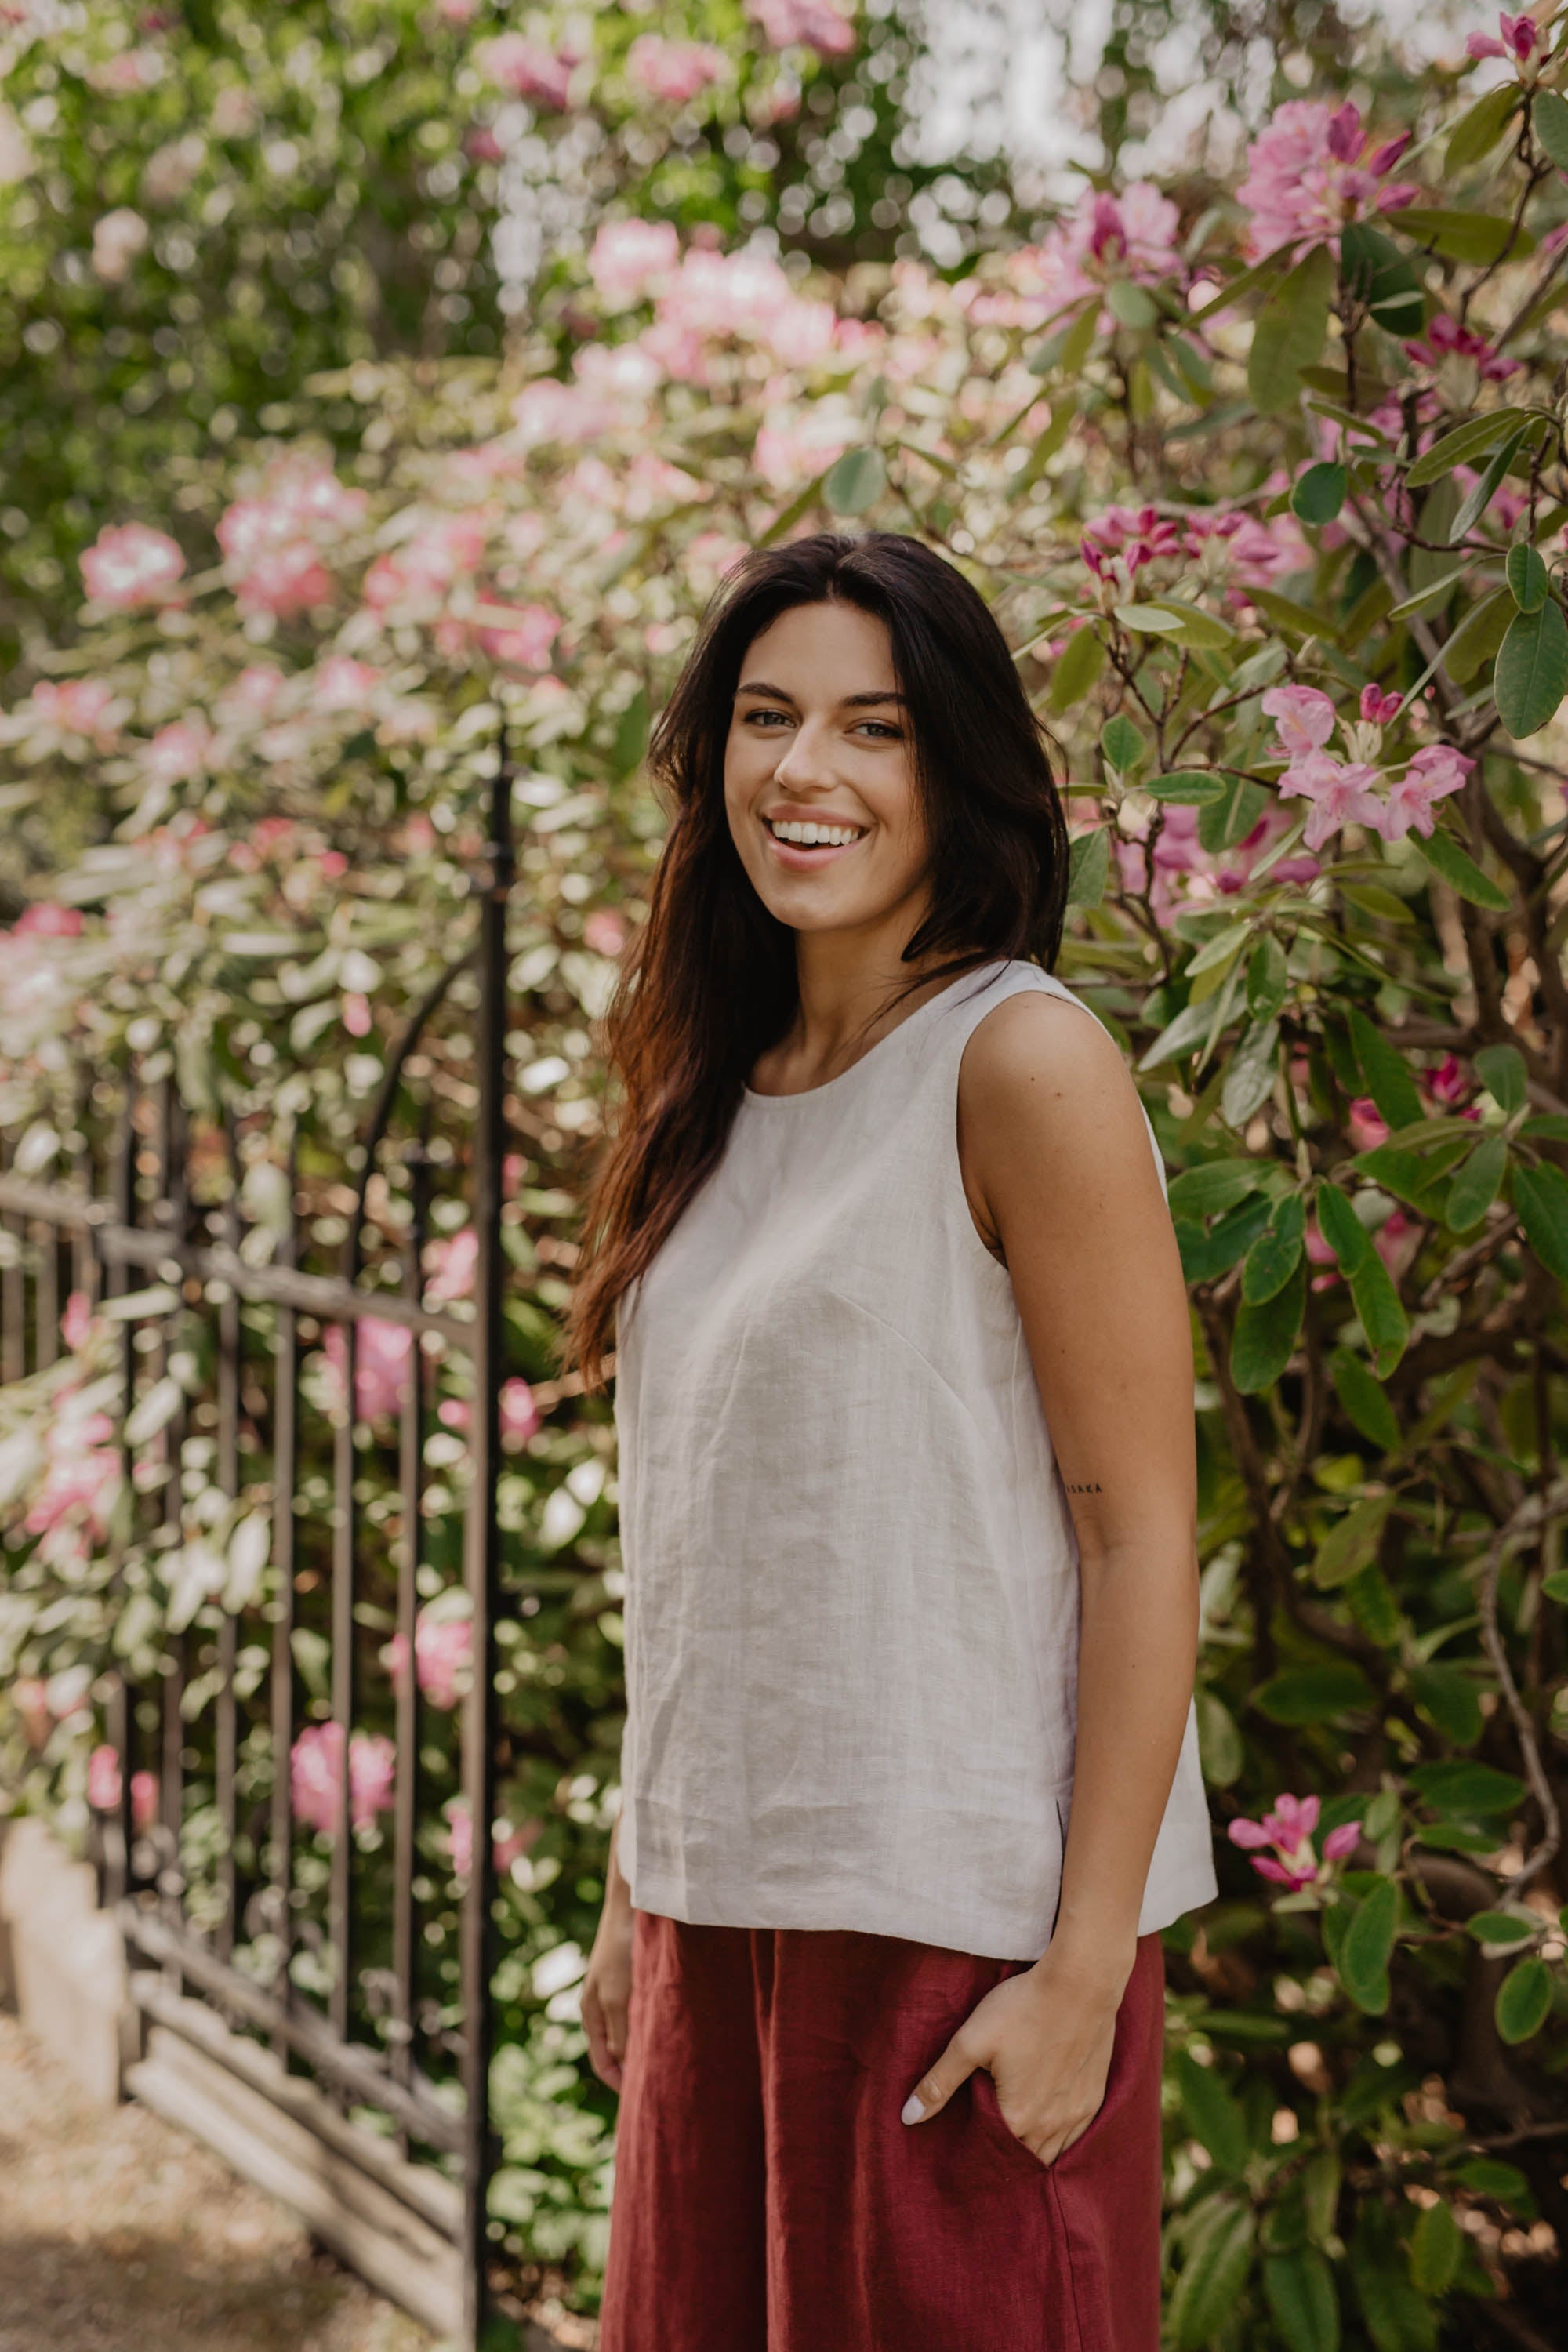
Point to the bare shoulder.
(1036, 1055)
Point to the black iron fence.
(228, 1836)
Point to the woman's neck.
(854, 988)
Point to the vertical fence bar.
(226, 1736)
(285, 1473)
(340, 1895)
(13, 1304)
(115, 1278)
(411, 1449)
(482, 1552)
(172, 1207)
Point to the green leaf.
(1555, 1587)
(1449, 1696)
(1212, 2279)
(1321, 2192)
(1436, 592)
(1524, 2000)
(1121, 743)
(1223, 822)
(1088, 866)
(1264, 1336)
(1475, 1188)
(1275, 1255)
(1083, 659)
(1149, 620)
(1479, 237)
(1080, 339)
(1478, 499)
(1466, 441)
(1503, 1926)
(1249, 1076)
(1474, 641)
(1480, 128)
(1372, 271)
(1541, 1199)
(631, 735)
(1549, 120)
(1340, 1227)
(1444, 855)
(1290, 332)
(1319, 493)
(1215, 2116)
(1301, 2298)
(1386, 1072)
(1217, 1185)
(1194, 787)
(1532, 674)
(1369, 1941)
(1489, 2176)
(1315, 1694)
(1221, 1751)
(1295, 620)
(855, 481)
(1526, 570)
(1383, 1317)
(1474, 1792)
(1132, 304)
(1364, 1399)
(1502, 1072)
(1352, 1542)
(1437, 2243)
(1197, 627)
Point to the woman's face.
(819, 782)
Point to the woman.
(904, 1391)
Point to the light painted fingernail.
(913, 2110)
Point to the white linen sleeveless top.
(852, 1598)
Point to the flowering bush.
(1269, 496)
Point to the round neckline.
(813, 1093)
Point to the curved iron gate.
(370, 2043)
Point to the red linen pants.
(767, 2198)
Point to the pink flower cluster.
(81, 706)
(382, 1357)
(1308, 175)
(820, 25)
(1520, 39)
(517, 1412)
(526, 69)
(443, 1656)
(274, 543)
(315, 1777)
(1447, 339)
(1287, 1830)
(422, 568)
(506, 1849)
(1345, 791)
(628, 257)
(72, 1503)
(1106, 236)
(1231, 548)
(103, 1787)
(128, 565)
(674, 71)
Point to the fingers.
(933, 2092)
(605, 2023)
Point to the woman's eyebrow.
(849, 702)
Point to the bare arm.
(607, 1982)
(1062, 1184)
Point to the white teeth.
(814, 836)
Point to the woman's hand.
(1046, 2036)
(606, 1996)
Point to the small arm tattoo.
(1084, 1486)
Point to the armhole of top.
(1041, 985)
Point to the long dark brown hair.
(710, 980)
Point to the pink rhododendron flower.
(273, 542)
(444, 549)
(178, 752)
(443, 1656)
(77, 1320)
(1365, 1124)
(1288, 1828)
(1430, 776)
(1377, 707)
(1118, 543)
(381, 1365)
(1341, 792)
(507, 1847)
(343, 684)
(1520, 36)
(519, 1413)
(1447, 339)
(820, 25)
(674, 71)
(604, 932)
(103, 1787)
(358, 1019)
(1303, 718)
(449, 1264)
(525, 69)
(81, 706)
(1449, 1084)
(315, 1772)
(117, 239)
(1306, 178)
(1105, 237)
(128, 565)
(81, 1471)
(629, 257)
(526, 640)
(42, 920)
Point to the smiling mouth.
(798, 834)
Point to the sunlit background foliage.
(427, 370)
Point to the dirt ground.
(119, 2233)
